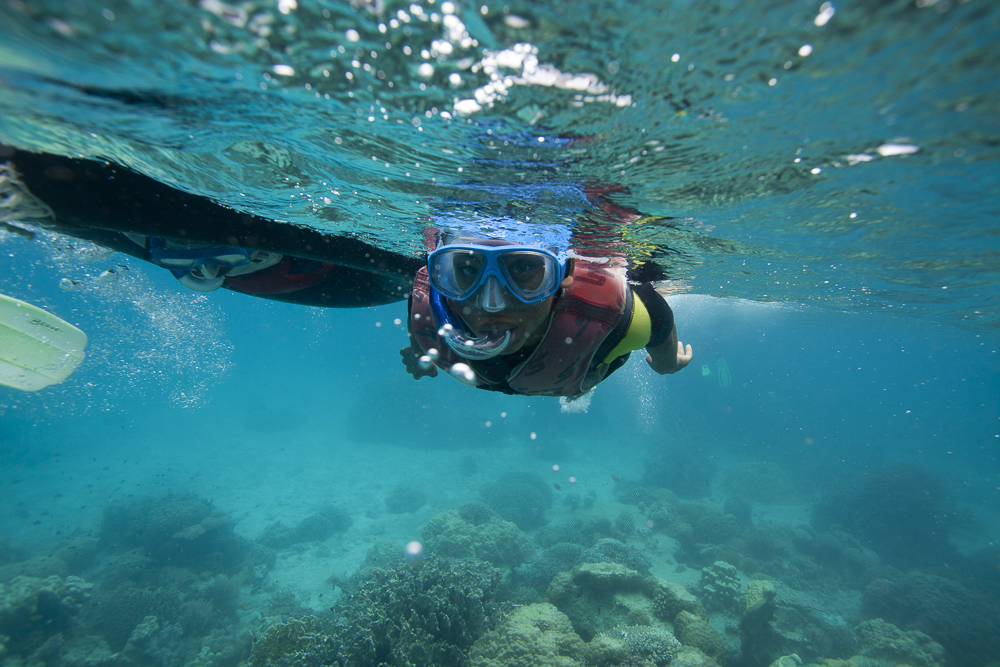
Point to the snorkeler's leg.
(101, 202)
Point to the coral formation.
(651, 645)
(882, 640)
(119, 610)
(304, 642)
(720, 586)
(384, 553)
(314, 528)
(598, 596)
(670, 599)
(691, 656)
(406, 498)
(756, 633)
(695, 631)
(900, 512)
(179, 530)
(427, 615)
(778, 620)
(538, 574)
(519, 497)
(494, 540)
(608, 550)
(537, 635)
(963, 622)
(33, 610)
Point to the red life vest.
(278, 279)
(582, 317)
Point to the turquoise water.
(827, 217)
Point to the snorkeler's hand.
(666, 362)
(411, 359)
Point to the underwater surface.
(228, 480)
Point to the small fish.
(615, 478)
(13, 482)
(35, 618)
(36, 523)
(58, 495)
(106, 468)
(558, 488)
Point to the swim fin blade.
(37, 349)
(722, 370)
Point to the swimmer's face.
(527, 322)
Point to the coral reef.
(670, 599)
(885, 641)
(300, 642)
(666, 519)
(691, 656)
(695, 631)
(778, 620)
(963, 622)
(38, 567)
(33, 610)
(609, 550)
(762, 482)
(494, 540)
(118, 611)
(901, 513)
(406, 498)
(720, 586)
(384, 553)
(538, 574)
(152, 645)
(650, 645)
(600, 596)
(756, 632)
(427, 615)
(314, 528)
(537, 635)
(519, 497)
(179, 530)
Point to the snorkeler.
(500, 303)
(515, 310)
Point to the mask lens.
(530, 273)
(456, 273)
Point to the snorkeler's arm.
(670, 356)
(664, 353)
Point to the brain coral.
(493, 540)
